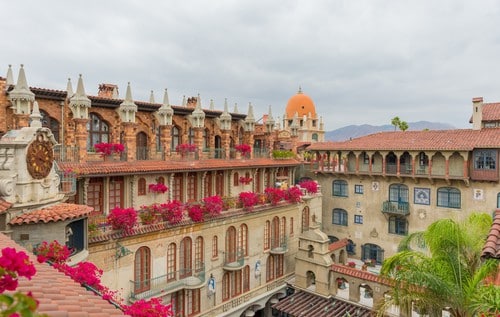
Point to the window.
(340, 188)
(366, 158)
(333, 239)
(283, 230)
(291, 226)
(358, 189)
(193, 302)
(358, 219)
(141, 187)
(236, 179)
(51, 123)
(485, 159)
(199, 254)
(142, 270)
(185, 258)
(206, 140)
(208, 184)
(191, 136)
(339, 217)
(98, 132)
(115, 193)
(243, 239)
(171, 262)
(215, 247)
(160, 180)
(246, 279)
(175, 137)
(372, 252)
(350, 247)
(226, 283)
(423, 159)
(498, 200)
(192, 187)
(267, 229)
(95, 194)
(398, 225)
(176, 189)
(448, 197)
(270, 268)
(398, 193)
(231, 245)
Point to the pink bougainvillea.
(293, 194)
(195, 212)
(248, 200)
(274, 195)
(143, 308)
(172, 211)
(122, 219)
(244, 149)
(52, 252)
(310, 185)
(158, 188)
(213, 205)
(106, 149)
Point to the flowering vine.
(310, 185)
(195, 212)
(158, 188)
(274, 195)
(213, 205)
(248, 200)
(122, 219)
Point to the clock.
(39, 158)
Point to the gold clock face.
(39, 158)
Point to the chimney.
(107, 91)
(477, 113)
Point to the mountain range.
(355, 131)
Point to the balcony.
(168, 283)
(234, 261)
(396, 208)
(279, 245)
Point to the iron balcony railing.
(396, 208)
(172, 281)
(279, 245)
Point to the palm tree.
(441, 268)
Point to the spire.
(198, 116)
(300, 90)
(165, 113)
(35, 116)
(9, 78)
(184, 102)
(294, 127)
(128, 108)
(225, 118)
(250, 119)
(235, 108)
(270, 121)
(69, 89)
(114, 95)
(212, 105)
(79, 103)
(21, 96)
(152, 97)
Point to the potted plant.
(243, 149)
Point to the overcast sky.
(360, 61)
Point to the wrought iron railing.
(396, 208)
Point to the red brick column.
(81, 135)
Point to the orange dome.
(301, 104)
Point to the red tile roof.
(59, 212)
(59, 295)
(338, 244)
(364, 275)
(445, 140)
(121, 168)
(311, 305)
(4, 205)
(491, 248)
(491, 111)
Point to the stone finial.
(270, 121)
(300, 90)
(212, 105)
(250, 119)
(69, 89)
(21, 96)
(114, 94)
(294, 127)
(35, 116)
(184, 102)
(128, 108)
(235, 110)
(9, 78)
(152, 97)
(198, 116)
(165, 113)
(225, 118)
(79, 103)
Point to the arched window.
(51, 123)
(141, 146)
(185, 260)
(141, 186)
(192, 187)
(275, 233)
(267, 240)
(215, 247)
(350, 247)
(206, 140)
(305, 219)
(199, 254)
(315, 137)
(270, 268)
(171, 262)
(236, 179)
(243, 239)
(98, 131)
(333, 239)
(177, 188)
(246, 279)
(398, 225)
(398, 193)
(142, 270)
(339, 188)
(291, 225)
(371, 251)
(160, 180)
(339, 217)
(226, 289)
(231, 245)
(176, 140)
(283, 230)
(157, 130)
(449, 197)
(207, 184)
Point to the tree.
(403, 126)
(395, 122)
(441, 267)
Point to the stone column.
(129, 140)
